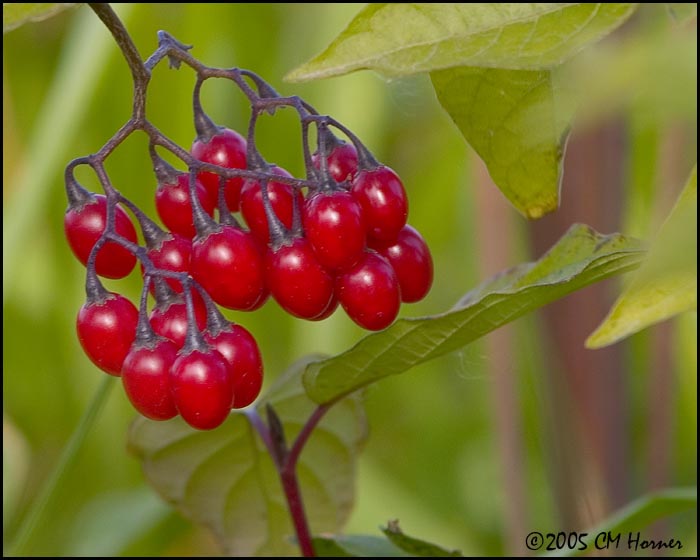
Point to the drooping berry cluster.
(337, 237)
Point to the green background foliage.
(432, 459)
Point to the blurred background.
(525, 430)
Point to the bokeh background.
(525, 430)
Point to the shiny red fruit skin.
(173, 254)
(106, 331)
(335, 227)
(230, 267)
(227, 149)
(410, 258)
(174, 206)
(202, 388)
(170, 320)
(241, 352)
(84, 225)
(281, 198)
(384, 202)
(329, 310)
(369, 292)
(342, 162)
(297, 281)
(146, 378)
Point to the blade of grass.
(33, 516)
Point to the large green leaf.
(15, 14)
(359, 546)
(517, 121)
(580, 258)
(225, 478)
(667, 282)
(638, 515)
(402, 39)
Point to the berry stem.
(139, 72)
(144, 330)
(193, 339)
(34, 516)
(203, 125)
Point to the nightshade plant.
(271, 477)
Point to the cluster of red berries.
(339, 237)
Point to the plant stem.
(290, 482)
(34, 515)
(290, 485)
(287, 470)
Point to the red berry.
(334, 225)
(297, 280)
(202, 388)
(227, 149)
(281, 198)
(146, 378)
(241, 352)
(383, 200)
(230, 267)
(169, 319)
(342, 162)
(410, 258)
(332, 306)
(174, 206)
(84, 224)
(369, 292)
(106, 331)
(173, 253)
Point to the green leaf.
(641, 513)
(16, 14)
(415, 547)
(518, 122)
(667, 282)
(580, 258)
(403, 39)
(369, 546)
(225, 478)
(361, 546)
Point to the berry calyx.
(227, 149)
(146, 378)
(106, 329)
(369, 292)
(85, 221)
(334, 225)
(297, 281)
(410, 258)
(383, 199)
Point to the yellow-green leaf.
(15, 14)
(225, 478)
(518, 122)
(580, 258)
(667, 282)
(402, 39)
